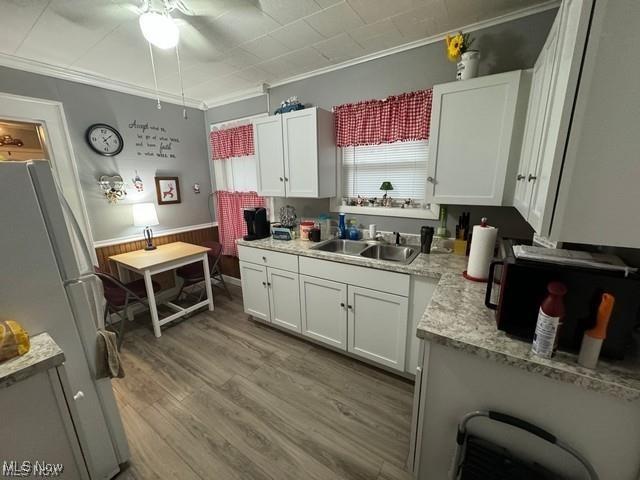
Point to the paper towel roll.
(483, 243)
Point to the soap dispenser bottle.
(342, 227)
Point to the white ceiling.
(229, 45)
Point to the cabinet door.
(267, 140)
(300, 153)
(324, 310)
(472, 124)
(284, 298)
(255, 294)
(564, 61)
(377, 326)
(531, 140)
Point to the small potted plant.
(459, 50)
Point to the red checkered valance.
(232, 142)
(396, 118)
(230, 217)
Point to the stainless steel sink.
(345, 247)
(369, 249)
(391, 253)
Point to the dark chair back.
(215, 254)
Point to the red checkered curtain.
(372, 122)
(229, 214)
(232, 142)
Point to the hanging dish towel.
(108, 362)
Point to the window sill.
(423, 213)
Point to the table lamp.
(144, 215)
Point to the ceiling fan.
(157, 24)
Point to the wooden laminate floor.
(220, 396)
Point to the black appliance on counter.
(257, 224)
(517, 287)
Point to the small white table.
(165, 257)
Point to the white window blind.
(236, 174)
(404, 164)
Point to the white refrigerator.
(47, 284)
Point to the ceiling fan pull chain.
(184, 107)
(155, 79)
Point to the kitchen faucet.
(397, 234)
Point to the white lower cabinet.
(324, 310)
(255, 294)
(271, 294)
(284, 298)
(344, 315)
(377, 326)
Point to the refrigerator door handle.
(77, 237)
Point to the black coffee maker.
(257, 224)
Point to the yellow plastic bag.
(14, 340)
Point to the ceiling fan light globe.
(159, 30)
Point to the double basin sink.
(368, 249)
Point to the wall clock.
(104, 139)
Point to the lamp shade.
(386, 186)
(144, 215)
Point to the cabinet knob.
(78, 395)
(350, 307)
(264, 259)
(286, 179)
(264, 284)
(430, 179)
(531, 178)
(268, 284)
(520, 177)
(342, 305)
(281, 179)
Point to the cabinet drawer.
(268, 258)
(392, 282)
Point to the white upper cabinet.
(475, 140)
(267, 139)
(296, 154)
(555, 82)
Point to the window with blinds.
(404, 164)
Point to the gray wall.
(85, 105)
(509, 46)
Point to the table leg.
(152, 303)
(207, 280)
(123, 274)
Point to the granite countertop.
(43, 355)
(458, 318)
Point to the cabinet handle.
(264, 284)
(342, 304)
(520, 177)
(78, 395)
(281, 179)
(430, 179)
(286, 179)
(531, 177)
(350, 307)
(268, 284)
(264, 259)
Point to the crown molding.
(64, 73)
(525, 12)
(262, 89)
(70, 74)
(508, 17)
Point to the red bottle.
(550, 316)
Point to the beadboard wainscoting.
(228, 265)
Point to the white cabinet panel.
(377, 326)
(299, 132)
(296, 154)
(267, 139)
(324, 310)
(284, 298)
(476, 129)
(255, 294)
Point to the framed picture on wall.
(168, 190)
